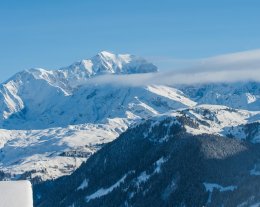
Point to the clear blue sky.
(55, 33)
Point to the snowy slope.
(50, 153)
(157, 163)
(96, 104)
(214, 119)
(242, 95)
(108, 112)
(47, 154)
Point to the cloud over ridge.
(234, 67)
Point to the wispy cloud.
(242, 66)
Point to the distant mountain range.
(52, 121)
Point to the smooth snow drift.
(16, 194)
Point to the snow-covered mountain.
(216, 120)
(53, 120)
(39, 90)
(50, 153)
(164, 161)
(40, 155)
(95, 104)
(242, 95)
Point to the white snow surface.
(16, 194)
(256, 170)
(211, 119)
(83, 185)
(242, 95)
(159, 164)
(211, 186)
(104, 191)
(143, 177)
(40, 151)
(255, 204)
(220, 120)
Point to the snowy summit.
(109, 63)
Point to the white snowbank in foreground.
(16, 194)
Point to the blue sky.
(55, 33)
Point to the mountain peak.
(77, 73)
(108, 63)
(116, 58)
(105, 53)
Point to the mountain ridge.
(142, 168)
(52, 121)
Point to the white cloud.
(242, 66)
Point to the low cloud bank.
(242, 66)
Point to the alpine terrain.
(84, 142)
